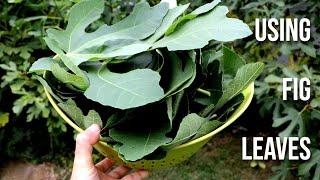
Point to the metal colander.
(173, 156)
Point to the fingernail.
(94, 128)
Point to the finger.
(119, 172)
(84, 143)
(105, 164)
(138, 175)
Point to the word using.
(283, 29)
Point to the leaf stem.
(205, 92)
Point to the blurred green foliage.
(23, 24)
(286, 59)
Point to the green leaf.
(207, 57)
(14, 1)
(123, 91)
(167, 21)
(187, 129)
(200, 10)
(48, 88)
(76, 42)
(244, 77)
(315, 102)
(173, 104)
(207, 127)
(214, 26)
(180, 74)
(65, 77)
(223, 113)
(308, 49)
(75, 113)
(137, 143)
(229, 107)
(282, 172)
(43, 64)
(4, 119)
(213, 84)
(113, 120)
(231, 61)
(53, 45)
(306, 167)
(296, 120)
(179, 22)
(59, 71)
(273, 79)
(206, 8)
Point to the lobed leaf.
(200, 10)
(187, 129)
(75, 113)
(214, 26)
(123, 91)
(141, 142)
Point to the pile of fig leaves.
(149, 80)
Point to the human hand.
(84, 168)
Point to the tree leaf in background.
(207, 127)
(222, 114)
(306, 167)
(136, 46)
(296, 120)
(206, 8)
(180, 72)
(244, 77)
(75, 113)
(179, 22)
(200, 10)
(309, 50)
(187, 129)
(123, 91)
(120, 117)
(231, 61)
(145, 60)
(135, 144)
(214, 26)
(4, 119)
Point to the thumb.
(83, 162)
